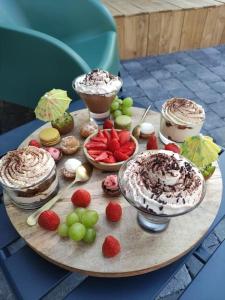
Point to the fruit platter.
(93, 227)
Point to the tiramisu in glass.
(161, 184)
(180, 118)
(98, 88)
(28, 176)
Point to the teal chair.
(32, 63)
(86, 26)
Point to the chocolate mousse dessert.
(180, 118)
(162, 183)
(98, 88)
(28, 176)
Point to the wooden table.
(141, 251)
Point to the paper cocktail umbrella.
(202, 151)
(52, 105)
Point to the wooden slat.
(170, 35)
(193, 27)
(186, 4)
(154, 30)
(154, 5)
(126, 8)
(114, 10)
(120, 31)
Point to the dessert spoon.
(83, 174)
(137, 129)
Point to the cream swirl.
(25, 167)
(97, 82)
(183, 111)
(162, 181)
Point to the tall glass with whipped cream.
(180, 118)
(97, 88)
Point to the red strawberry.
(111, 246)
(99, 139)
(113, 144)
(152, 143)
(113, 211)
(81, 198)
(34, 143)
(94, 152)
(102, 156)
(128, 148)
(107, 134)
(172, 147)
(100, 134)
(114, 134)
(110, 159)
(108, 124)
(96, 146)
(49, 220)
(120, 156)
(124, 137)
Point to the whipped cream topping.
(97, 82)
(183, 111)
(162, 182)
(25, 167)
(72, 164)
(147, 128)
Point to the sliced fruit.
(102, 156)
(97, 139)
(110, 160)
(120, 156)
(113, 144)
(114, 134)
(94, 152)
(96, 146)
(124, 136)
(100, 134)
(107, 134)
(128, 148)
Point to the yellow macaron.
(49, 136)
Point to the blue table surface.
(145, 286)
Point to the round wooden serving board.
(141, 251)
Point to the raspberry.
(34, 143)
(111, 246)
(81, 198)
(49, 220)
(172, 147)
(113, 211)
(113, 145)
(120, 156)
(108, 124)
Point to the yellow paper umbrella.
(52, 105)
(202, 151)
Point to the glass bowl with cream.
(161, 184)
(180, 118)
(98, 88)
(28, 175)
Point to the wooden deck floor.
(150, 27)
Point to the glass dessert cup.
(147, 218)
(35, 195)
(98, 104)
(171, 132)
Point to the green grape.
(63, 230)
(116, 98)
(115, 105)
(72, 218)
(89, 218)
(80, 211)
(90, 236)
(120, 101)
(127, 102)
(77, 231)
(117, 113)
(127, 111)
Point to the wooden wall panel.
(151, 27)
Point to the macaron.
(49, 136)
(70, 167)
(146, 129)
(56, 153)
